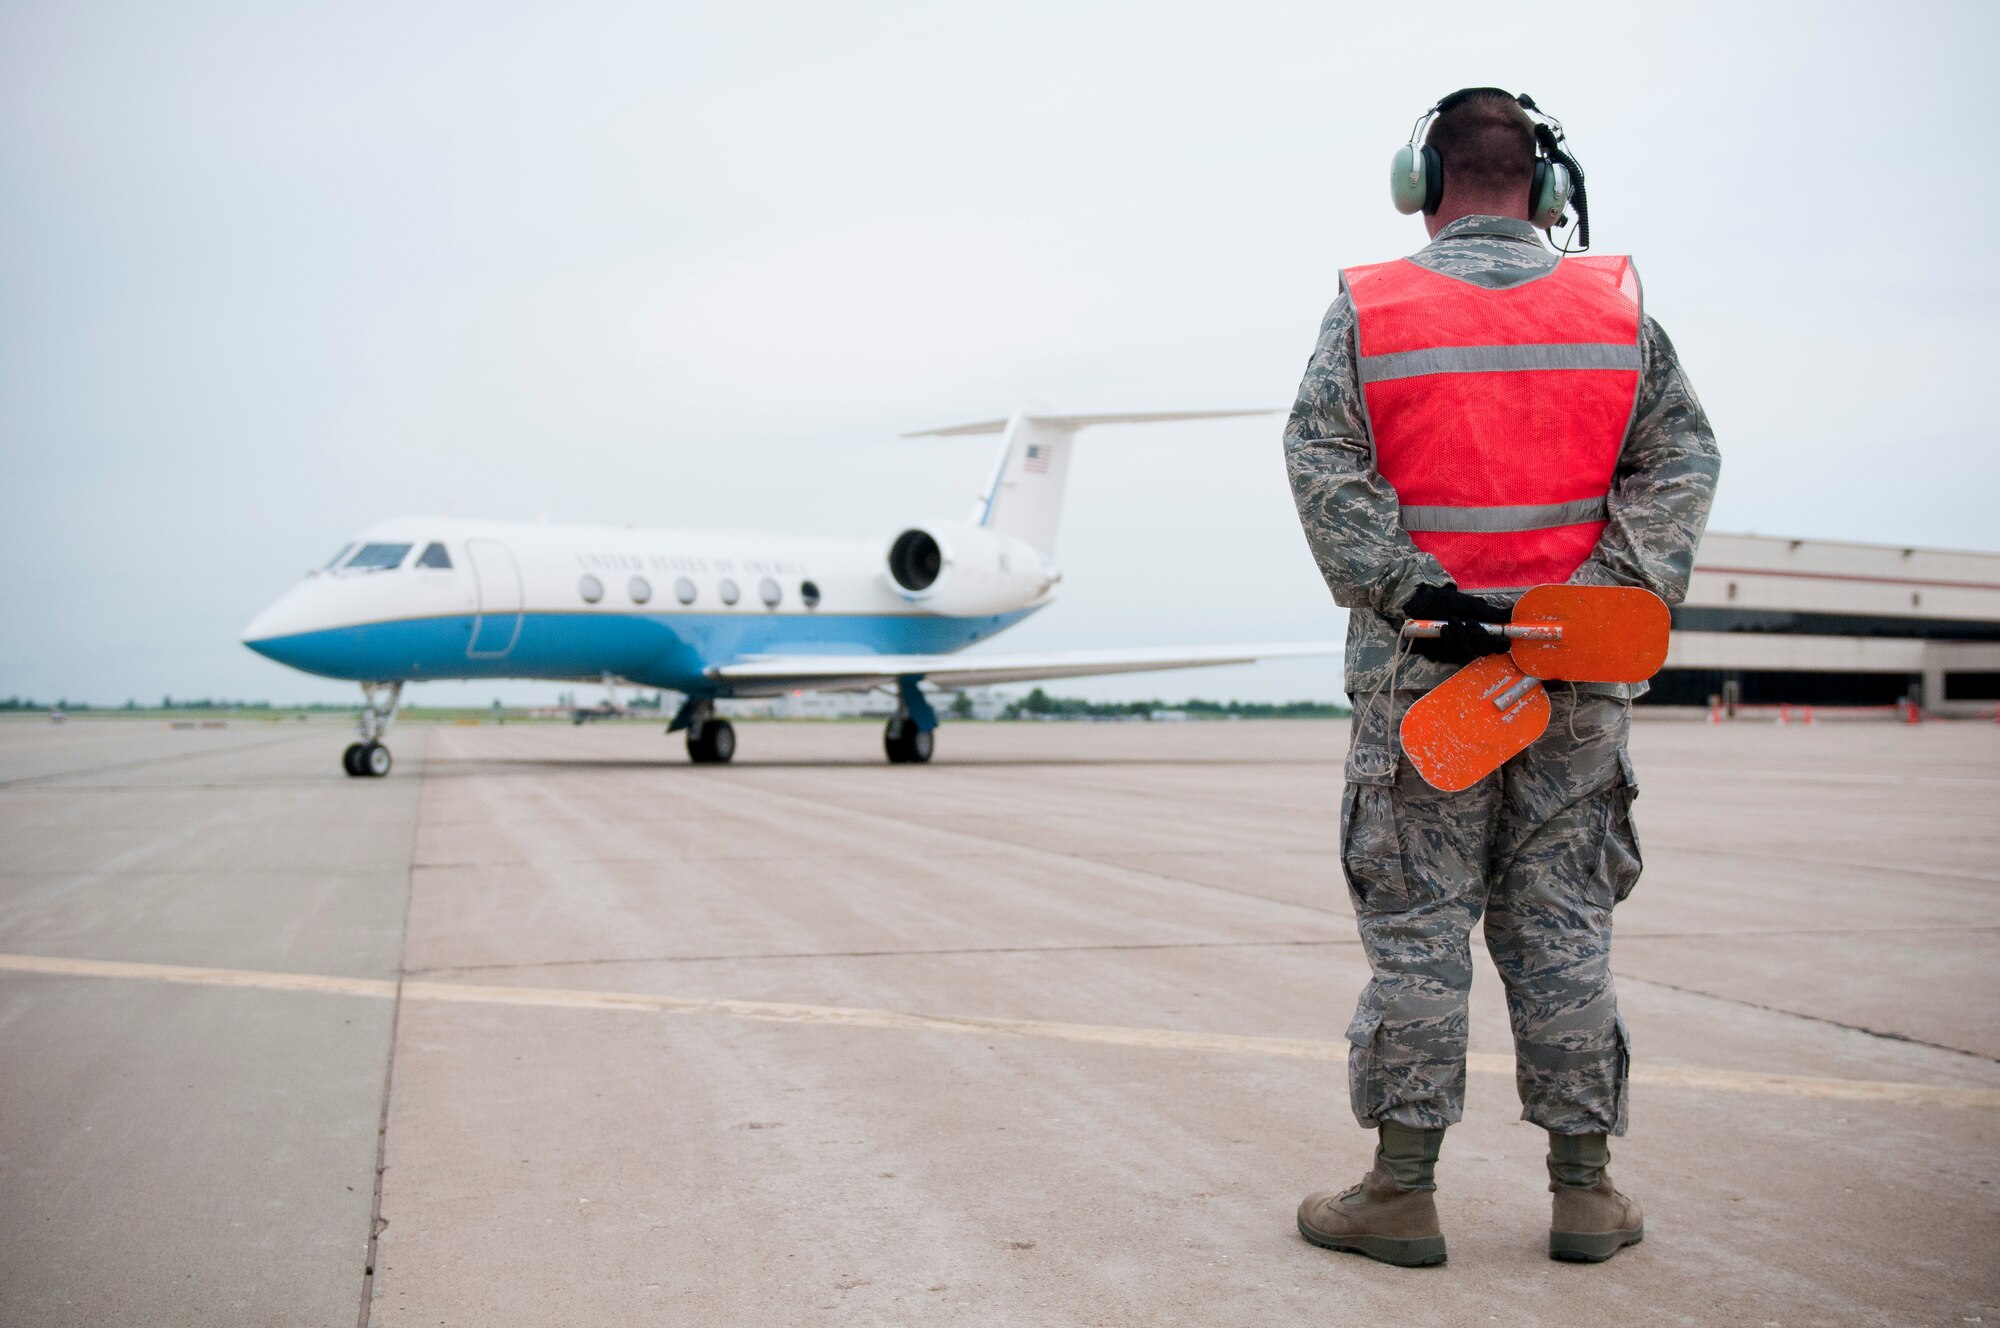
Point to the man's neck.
(1480, 224)
(1453, 210)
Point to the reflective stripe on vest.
(1486, 359)
(1498, 415)
(1505, 520)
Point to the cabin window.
(378, 557)
(640, 589)
(684, 591)
(767, 590)
(434, 556)
(590, 588)
(809, 594)
(728, 591)
(336, 557)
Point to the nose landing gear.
(365, 758)
(369, 758)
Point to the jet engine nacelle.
(963, 571)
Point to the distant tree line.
(1037, 704)
(166, 703)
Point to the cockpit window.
(345, 549)
(378, 557)
(434, 556)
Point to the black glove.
(1463, 640)
(1448, 601)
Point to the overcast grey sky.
(272, 272)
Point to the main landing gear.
(908, 739)
(905, 743)
(710, 741)
(911, 733)
(369, 758)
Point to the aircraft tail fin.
(1023, 500)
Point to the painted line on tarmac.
(847, 1016)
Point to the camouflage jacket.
(1659, 497)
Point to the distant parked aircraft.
(712, 615)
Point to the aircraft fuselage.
(453, 598)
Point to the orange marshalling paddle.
(1492, 709)
(1605, 633)
(1473, 722)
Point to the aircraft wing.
(853, 673)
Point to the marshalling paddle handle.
(1429, 627)
(1507, 699)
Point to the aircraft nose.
(296, 611)
(260, 629)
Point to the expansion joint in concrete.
(1109, 948)
(1884, 1034)
(375, 1219)
(56, 777)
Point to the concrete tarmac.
(1048, 1032)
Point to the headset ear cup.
(1407, 185)
(1433, 179)
(1548, 194)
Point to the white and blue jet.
(712, 615)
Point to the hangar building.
(1825, 623)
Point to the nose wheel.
(369, 759)
(364, 760)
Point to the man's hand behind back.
(1463, 639)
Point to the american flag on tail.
(1036, 461)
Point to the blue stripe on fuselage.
(655, 649)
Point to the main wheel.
(350, 761)
(906, 744)
(712, 742)
(374, 760)
(721, 741)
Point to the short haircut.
(1487, 144)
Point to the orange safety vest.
(1498, 415)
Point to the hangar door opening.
(499, 580)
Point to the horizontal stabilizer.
(852, 673)
(1071, 422)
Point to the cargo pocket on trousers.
(1364, 1088)
(1621, 1092)
(1371, 851)
(1622, 860)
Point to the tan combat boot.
(1590, 1220)
(1392, 1214)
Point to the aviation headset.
(1416, 177)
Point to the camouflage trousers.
(1543, 848)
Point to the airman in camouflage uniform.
(1543, 849)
